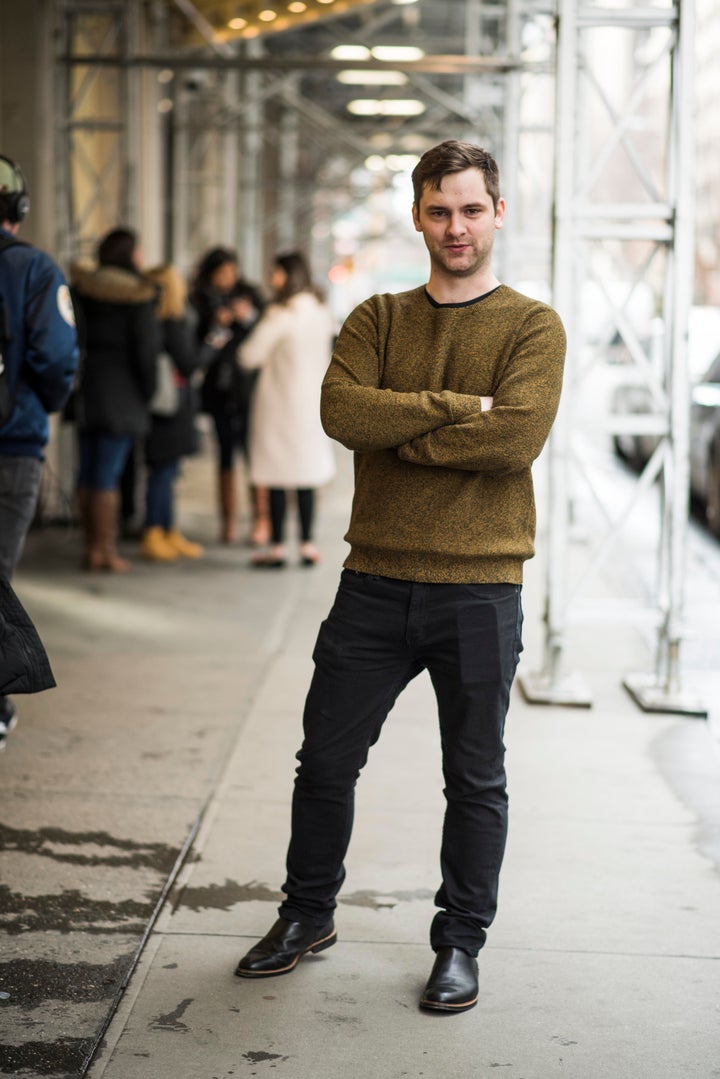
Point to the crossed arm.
(502, 433)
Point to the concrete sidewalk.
(181, 690)
(605, 957)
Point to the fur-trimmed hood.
(111, 284)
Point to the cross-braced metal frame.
(623, 222)
(97, 125)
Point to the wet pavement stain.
(337, 1019)
(225, 896)
(127, 853)
(62, 1059)
(260, 1057)
(172, 1021)
(70, 910)
(384, 900)
(30, 982)
(338, 998)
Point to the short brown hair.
(451, 156)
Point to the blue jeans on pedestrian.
(159, 496)
(19, 486)
(102, 460)
(379, 635)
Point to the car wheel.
(712, 501)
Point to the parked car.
(632, 396)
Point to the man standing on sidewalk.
(38, 350)
(446, 394)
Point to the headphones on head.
(13, 191)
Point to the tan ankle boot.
(154, 545)
(184, 547)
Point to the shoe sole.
(436, 1006)
(318, 946)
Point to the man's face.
(458, 223)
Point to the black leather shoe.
(284, 946)
(453, 982)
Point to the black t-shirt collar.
(464, 303)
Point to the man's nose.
(456, 225)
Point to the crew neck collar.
(463, 303)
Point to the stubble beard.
(479, 260)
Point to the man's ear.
(416, 217)
(500, 214)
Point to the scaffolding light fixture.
(372, 78)
(365, 106)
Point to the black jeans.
(378, 636)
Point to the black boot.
(453, 982)
(280, 951)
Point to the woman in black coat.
(172, 434)
(119, 338)
(216, 295)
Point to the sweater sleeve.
(509, 436)
(358, 413)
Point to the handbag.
(166, 399)
(24, 665)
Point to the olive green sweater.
(443, 490)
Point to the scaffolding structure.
(247, 155)
(621, 239)
(233, 117)
(96, 143)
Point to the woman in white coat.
(291, 345)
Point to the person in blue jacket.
(38, 345)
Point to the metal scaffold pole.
(553, 684)
(662, 691)
(645, 232)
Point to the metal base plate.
(569, 690)
(653, 697)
